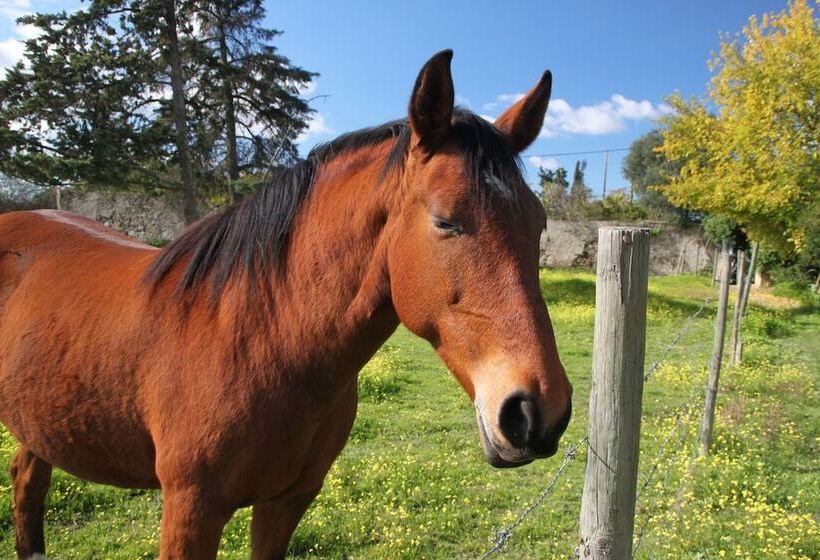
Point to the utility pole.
(606, 166)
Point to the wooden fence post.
(608, 503)
(749, 278)
(708, 419)
(734, 340)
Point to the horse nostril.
(519, 420)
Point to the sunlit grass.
(412, 482)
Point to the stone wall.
(673, 250)
(564, 244)
(140, 216)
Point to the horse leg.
(273, 524)
(30, 479)
(191, 525)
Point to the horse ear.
(522, 122)
(431, 104)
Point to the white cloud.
(487, 118)
(13, 9)
(11, 50)
(11, 45)
(503, 100)
(28, 31)
(462, 101)
(607, 117)
(317, 127)
(546, 163)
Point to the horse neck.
(332, 299)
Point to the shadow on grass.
(580, 291)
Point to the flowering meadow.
(412, 481)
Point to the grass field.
(412, 481)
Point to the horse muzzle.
(521, 435)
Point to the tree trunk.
(230, 110)
(179, 116)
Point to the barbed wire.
(652, 507)
(504, 535)
(675, 341)
(682, 412)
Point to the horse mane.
(252, 234)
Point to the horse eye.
(446, 226)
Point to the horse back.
(52, 240)
(71, 305)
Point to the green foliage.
(90, 106)
(553, 194)
(800, 269)
(719, 228)
(645, 166)
(617, 206)
(158, 242)
(799, 290)
(247, 86)
(564, 202)
(74, 113)
(766, 325)
(561, 200)
(755, 160)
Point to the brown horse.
(223, 368)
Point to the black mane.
(252, 234)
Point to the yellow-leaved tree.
(751, 151)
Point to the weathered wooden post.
(749, 276)
(608, 503)
(708, 419)
(734, 339)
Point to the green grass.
(412, 482)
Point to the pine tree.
(579, 193)
(132, 94)
(78, 113)
(251, 86)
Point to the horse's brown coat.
(249, 402)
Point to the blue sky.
(612, 62)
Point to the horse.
(222, 369)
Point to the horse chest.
(295, 449)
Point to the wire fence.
(505, 534)
(681, 413)
(677, 439)
(676, 341)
